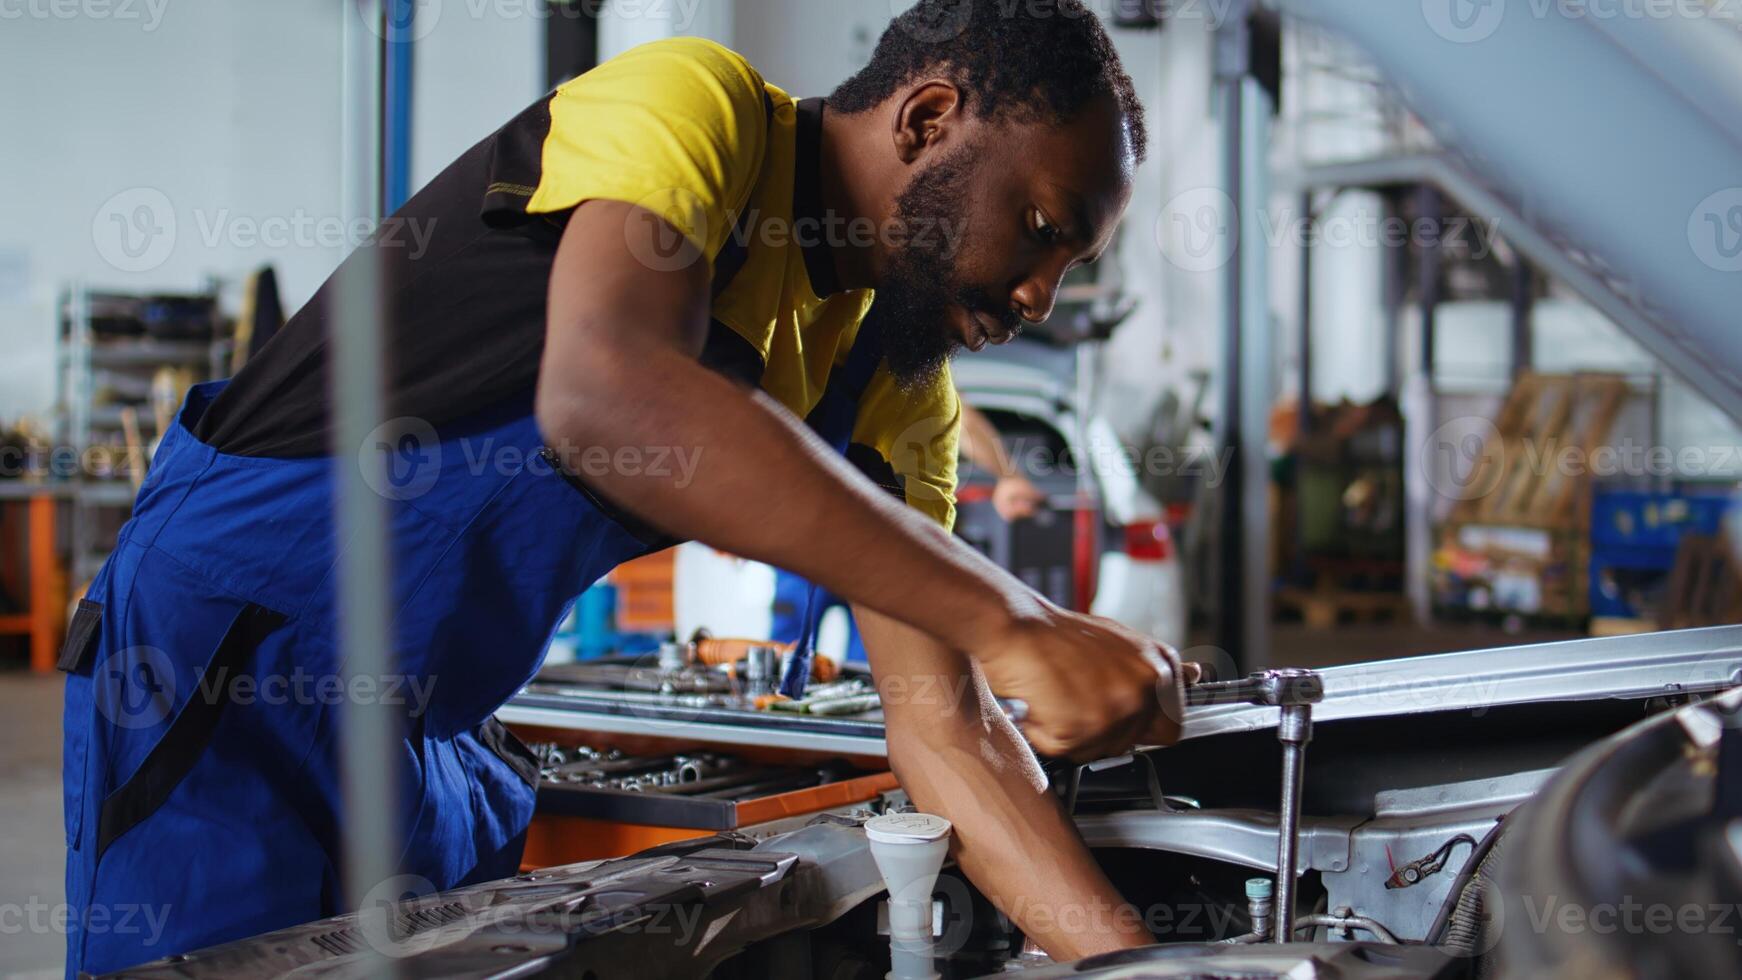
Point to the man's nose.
(1035, 297)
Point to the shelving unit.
(100, 371)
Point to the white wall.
(222, 122)
(209, 114)
(475, 67)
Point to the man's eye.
(1047, 231)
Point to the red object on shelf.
(1148, 541)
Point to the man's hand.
(1014, 498)
(1093, 687)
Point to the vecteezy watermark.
(1466, 459)
(148, 14)
(140, 687)
(1364, 228)
(1166, 921)
(1199, 230)
(136, 688)
(1464, 21)
(940, 20)
(946, 20)
(302, 229)
(1470, 21)
(405, 458)
(385, 917)
(401, 459)
(414, 20)
(390, 921)
(1631, 917)
(667, 228)
(137, 230)
(929, 445)
(36, 917)
(1715, 230)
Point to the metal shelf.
(87, 365)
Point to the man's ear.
(924, 117)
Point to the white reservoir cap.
(906, 828)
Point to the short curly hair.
(1037, 59)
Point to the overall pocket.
(189, 732)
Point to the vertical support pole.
(1259, 370)
(1523, 302)
(1428, 264)
(368, 730)
(1394, 273)
(1421, 412)
(1232, 63)
(396, 96)
(1305, 316)
(1304, 320)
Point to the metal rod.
(1305, 324)
(1294, 732)
(1232, 62)
(367, 729)
(1523, 300)
(397, 48)
(1347, 922)
(1430, 209)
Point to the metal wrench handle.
(1266, 687)
(1295, 692)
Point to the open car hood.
(1632, 667)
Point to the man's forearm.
(958, 757)
(778, 495)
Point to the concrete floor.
(32, 843)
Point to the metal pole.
(397, 56)
(1523, 301)
(368, 730)
(1394, 273)
(1428, 264)
(1305, 325)
(1297, 569)
(1232, 62)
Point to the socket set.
(693, 789)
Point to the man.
(627, 274)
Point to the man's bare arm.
(620, 371)
(957, 756)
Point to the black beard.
(910, 314)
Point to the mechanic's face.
(995, 220)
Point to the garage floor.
(32, 843)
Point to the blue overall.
(794, 609)
(204, 688)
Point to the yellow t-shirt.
(688, 130)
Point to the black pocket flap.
(81, 641)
